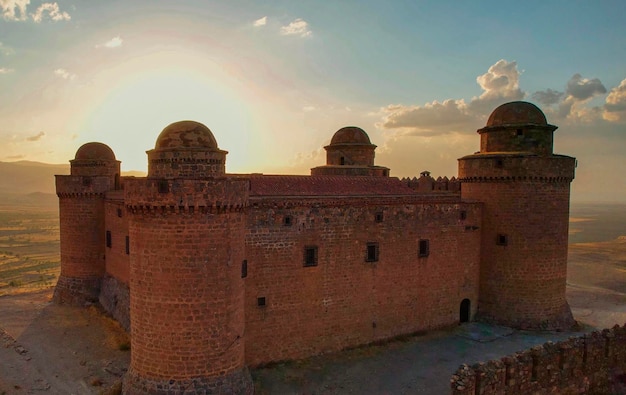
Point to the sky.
(275, 79)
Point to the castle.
(214, 272)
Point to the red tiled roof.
(279, 185)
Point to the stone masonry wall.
(294, 311)
(590, 364)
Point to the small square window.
(424, 248)
(244, 268)
(119, 212)
(499, 163)
(164, 186)
(372, 252)
(108, 234)
(379, 216)
(310, 256)
(463, 215)
(127, 245)
(502, 240)
(520, 132)
(86, 181)
(288, 220)
(260, 301)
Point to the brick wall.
(590, 364)
(344, 300)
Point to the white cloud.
(4, 70)
(66, 75)
(53, 11)
(14, 10)
(115, 42)
(260, 22)
(298, 27)
(615, 106)
(500, 84)
(308, 108)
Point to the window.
(260, 301)
(499, 163)
(372, 252)
(310, 256)
(288, 220)
(109, 238)
(502, 240)
(86, 181)
(244, 268)
(379, 216)
(342, 161)
(520, 132)
(119, 212)
(163, 186)
(463, 215)
(424, 248)
(127, 245)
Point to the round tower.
(350, 153)
(94, 171)
(187, 231)
(525, 189)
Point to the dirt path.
(53, 349)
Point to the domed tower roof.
(94, 151)
(186, 149)
(350, 135)
(186, 135)
(517, 113)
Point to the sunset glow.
(274, 80)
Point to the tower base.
(238, 382)
(562, 321)
(76, 291)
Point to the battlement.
(426, 183)
(183, 195)
(584, 364)
(74, 186)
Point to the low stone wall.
(115, 299)
(591, 364)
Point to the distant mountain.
(27, 177)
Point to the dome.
(517, 113)
(186, 134)
(350, 135)
(94, 151)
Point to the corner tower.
(94, 171)
(187, 229)
(525, 189)
(350, 153)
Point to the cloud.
(14, 10)
(4, 50)
(53, 11)
(36, 137)
(15, 157)
(66, 75)
(298, 27)
(260, 22)
(548, 97)
(500, 84)
(115, 42)
(582, 88)
(308, 108)
(615, 105)
(4, 70)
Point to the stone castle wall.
(590, 364)
(294, 310)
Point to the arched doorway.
(465, 311)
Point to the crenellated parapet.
(425, 183)
(213, 195)
(589, 364)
